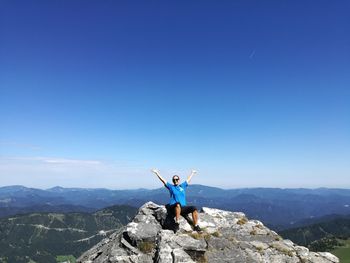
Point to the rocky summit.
(226, 237)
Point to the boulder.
(226, 237)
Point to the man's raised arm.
(158, 175)
(193, 172)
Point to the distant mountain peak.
(56, 189)
(13, 187)
(227, 237)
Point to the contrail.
(252, 54)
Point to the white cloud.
(46, 172)
(52, 160)
(71, 161)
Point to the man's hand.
(156, 171)
(193, 172)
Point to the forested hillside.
(42, 237)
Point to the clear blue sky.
(250, 93)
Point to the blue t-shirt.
(177, 193)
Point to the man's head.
(176, 179)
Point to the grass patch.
(197, 235)
(253, 232)
(66, 258)
(343, 252)
(260, 249)
(146, 247)
(201, 235)
(283, 250)
(242, 221)
(216, 234)
(197, 256)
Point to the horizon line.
(150, 189)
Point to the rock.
(180, 256)
(329, 256)
(227, 237)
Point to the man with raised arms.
(178, 202)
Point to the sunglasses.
(176, 179)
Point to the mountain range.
(57, 224)
(278, 208)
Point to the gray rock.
(180, 256)
(227, 237)
(189, 243)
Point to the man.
(178, 202)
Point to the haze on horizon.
(249, 93)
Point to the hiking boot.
(197, 228)
(176, 227)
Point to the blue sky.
(249, 93)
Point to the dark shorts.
(185, 210)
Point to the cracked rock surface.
(226, 237)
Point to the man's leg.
(192, 209)
(177, 217)
(195, 221)
(195, 217)
(177, 212)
